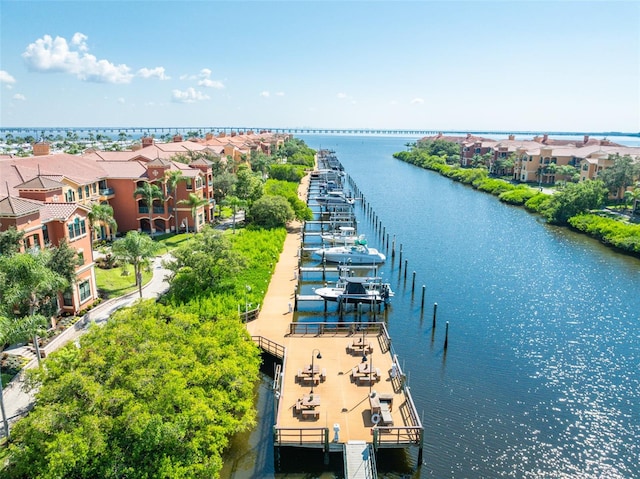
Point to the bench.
(385, 414)
(310, 413)
(323, 375)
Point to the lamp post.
(319, 356)
(247, 288)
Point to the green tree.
(135, 249)
(29, 292)
(10, 241)
(63, 260)
(632, 197)
(149, 192)
(223, 185)
(203, 264)
(249, 186)
(154, 393)
(619, 176)
(576, 198)
(271, 212)
(173, 178)
(194, 202)
(101, 214)
(234, 202)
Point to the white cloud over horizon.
(19, 96)
(417, 101)
(48, 54)
(190, 95)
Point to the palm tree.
(172, 178)
(101, 214)
(135, 249)
(633, 197)
(28, 288)
(195, 202)
(149, 192)
(235, 203)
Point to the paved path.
(18, 402)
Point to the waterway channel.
(541, 377)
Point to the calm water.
(542, 374)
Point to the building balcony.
(158, 210)
(107, 192)
(143, 210)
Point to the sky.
(420, 65)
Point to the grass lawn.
(6, 378)
(112, 283)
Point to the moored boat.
(357, 290)
(358, 253)
(346, 235)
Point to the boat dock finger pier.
(338, 386)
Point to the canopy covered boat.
(358, 253)
(346, 235)
(335, 197)
(357, 290)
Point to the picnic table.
(307, 375)
(306, 406)
(360, 345)
(363, 373)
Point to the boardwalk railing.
(249, 315)
(268, 346)
(335, 329)
(308, 436)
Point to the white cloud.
(121, 101)
(417, 101)
(342, 95)
(5, 77)
(280, 93)
(157, 72)
(19, 96)
(190, 95)
(211, 83)
(47, 54)
(265, 94)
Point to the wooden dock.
(340, 404)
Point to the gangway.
(359, 461)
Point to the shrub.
(518, 196)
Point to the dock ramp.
(359, 461)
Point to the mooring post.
(435, 311)
(422, 302)
(446, 335)
(295, 298)
(400, 255)
(413, 282)
(405, 269)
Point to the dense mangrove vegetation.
(578, 205)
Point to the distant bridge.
(37, 131)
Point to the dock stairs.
(360, 461)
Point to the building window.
(45, 234)
(67, 298)
(70, 196)
(94, 186)
(198, 183)
(87, 193)
(77, 228)
(189, 184)
(85, 290)
(80, 193)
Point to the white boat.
(357, 253)
(357, 290)
(346, 235)
(334, 198)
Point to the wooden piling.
(435, 311)
(413, 282)
(422, 301)
(446, 336)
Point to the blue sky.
(506, 65)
